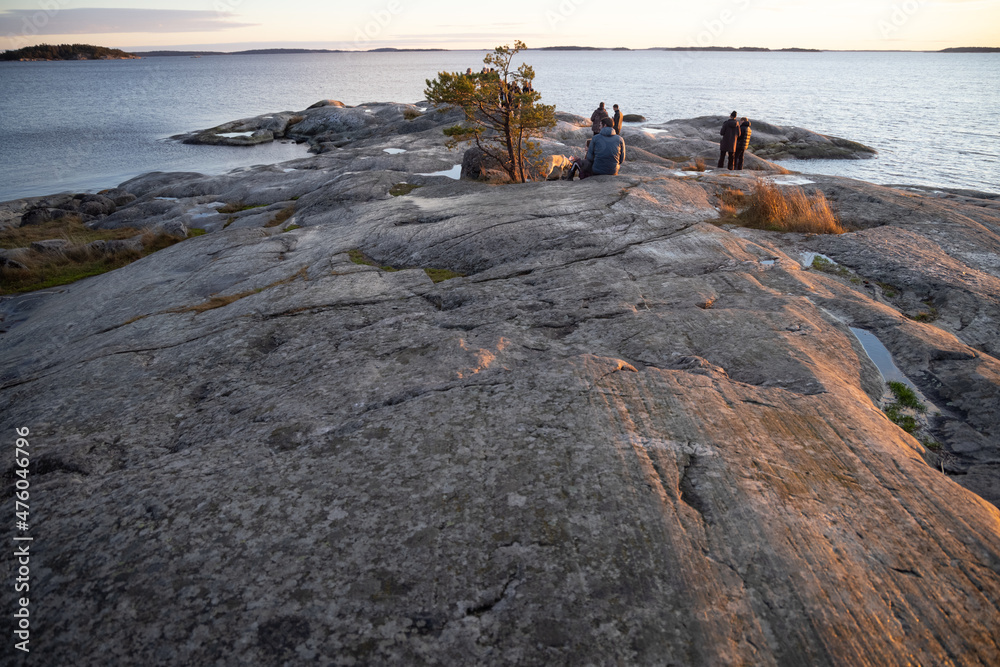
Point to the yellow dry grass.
(788, 209)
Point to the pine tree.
(501, 110)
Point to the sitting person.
(581, 167)
(607, 150)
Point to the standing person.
(743, 143)
(607, 150)
(595, 118)
(730, 133)
(618, 120)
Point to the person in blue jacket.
(607, 150)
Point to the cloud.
(95, 21)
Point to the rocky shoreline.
(619, 433)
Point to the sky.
(229, 25)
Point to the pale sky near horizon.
(228, 25)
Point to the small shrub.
(791, 210)
(410, 114)
(698, 165)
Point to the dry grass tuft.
(731, 201)
(282, 215)
(698, 165)
(788, 210)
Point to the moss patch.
(282, 215)
(400, 189)
(436, 275)
(236, 207)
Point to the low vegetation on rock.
(60, 261)
(788, 209)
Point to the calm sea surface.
(91, 125)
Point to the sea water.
(75, 126)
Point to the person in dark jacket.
(743, 143)
(618, 121)
(730, 133)
(595, 118)
(607, 150)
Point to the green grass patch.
(236, 207)
(70, 228)
(906, 397)
(291, 227)
(826, 266)
(929, 316)
(44, 270)
(439, 275)
(436, 275)
(400, 189)
(196, 231)
(888, 290)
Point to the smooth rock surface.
(626, 436)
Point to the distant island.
(267, 52)
(91, 52)
(67, 52)
(972, 49)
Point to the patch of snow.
(394, 151)
(231, 135)
(289, 170)
(687, 174)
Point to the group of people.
(735, 141)
(606, 150)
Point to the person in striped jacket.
(743, 142)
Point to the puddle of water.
(808, 257)
(165, 198)
(792, 180)
(202, 216)
(394, 151)
(687, 174)
(654, 130)
(288, 171)
(230, 135)
(455, 172)
(881, 357)
(768, 262)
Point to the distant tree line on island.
(66, 52)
